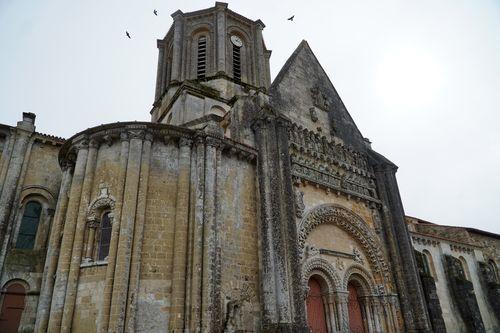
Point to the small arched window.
(429, 264)
(104, 237)
(29, 225)
(465, 268)
(201, 67)
(493, 268)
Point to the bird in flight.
(128, 35)
(291, 18)
(155, 12)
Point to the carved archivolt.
(349, 222)
(322, 265)
(366, 280)
(103, 202)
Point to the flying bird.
(155, 12)
(291, 18)
(128, 35)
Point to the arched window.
(201, 67)
(465, 268)
(429, 264)
(104, 237)
(237, 62)
(493, 268)
(29, 225)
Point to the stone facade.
(463, 263)
(216, 215)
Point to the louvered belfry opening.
(202, 57)
(237, 62)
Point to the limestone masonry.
(245, 205)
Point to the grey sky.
(420, 78)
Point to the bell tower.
(207, 58)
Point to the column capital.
(183, 142)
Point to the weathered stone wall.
(462, 292)
(431, 296)
(29, 171)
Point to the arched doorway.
(354, 307)
(12, 308)
(316, 318)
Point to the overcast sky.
(420, 78)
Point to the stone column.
(333, 313)
(221, 37)
(23, 133)
(63, 266)
(135, 268)
(43, 310)
(76, 253)
(211, 304)
(343, 312)
(177, 46)
(328, 318)
(375, 304)
(413, 306)
(365, 304)
(180, 238)
(92, 226)
(103, 319)
(127, 225)
(198, 184)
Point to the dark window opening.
(29, 226)
(202, 58)
(105, 237)
(237, 63)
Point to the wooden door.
(355, 316)
(12, 308)
(315, 310)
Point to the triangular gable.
(303, 92)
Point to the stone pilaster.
(198, 185)
(282, 294)
(221, 37)
(160, 71)
(63, 266)
(410, 292)
(127, 225)
(43, 310)
(259, 56)
(178, 293)
(10, 186)
(104, 313)
(211, 304)
(135, 268)
(177, 46)
(76, 252)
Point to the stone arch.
(218, 110)
(359, 274)
(97, 207)
(349, 222)
(323, 268)
(38, 191)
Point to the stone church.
(245, 205)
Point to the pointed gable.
(303, 92)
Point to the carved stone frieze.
(332, 165)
